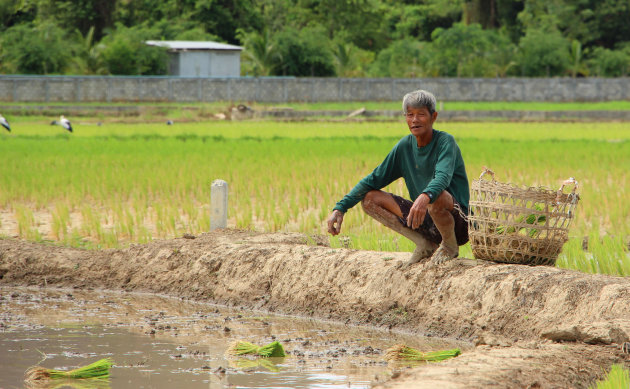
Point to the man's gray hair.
(418, 99)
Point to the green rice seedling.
(617, 378)
(273, 349)
(275, 167)
(400, 352)
(60, 221)
(97, 370)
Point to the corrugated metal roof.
(194, 45)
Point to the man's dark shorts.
(428, 228)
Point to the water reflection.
(163, 342)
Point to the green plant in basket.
(532, 218)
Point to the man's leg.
(382, 207)
(440, 212)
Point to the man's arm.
(444, 168)
(380, 177)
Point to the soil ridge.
(519, 308)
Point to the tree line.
(345, 38)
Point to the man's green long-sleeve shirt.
(432, 169)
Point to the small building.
(202, 58)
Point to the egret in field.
(65, 123)
(5, 123)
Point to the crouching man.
(433, 168)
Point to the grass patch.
(115, 184)
(617, 378)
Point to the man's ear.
(434, 117)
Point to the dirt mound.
(505, 306)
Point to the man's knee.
(444, 202)
(370, 198)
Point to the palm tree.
(260, 52)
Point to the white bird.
(65, 123)
(4, 123)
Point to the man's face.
(420, 121)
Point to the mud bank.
(517, 314)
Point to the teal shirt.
(432, 169)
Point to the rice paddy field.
(114, 184)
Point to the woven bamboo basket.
(510, 224)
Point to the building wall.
(205, 63)
(208, 89)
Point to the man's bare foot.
(444, 253)
(421, 254)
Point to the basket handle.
(486, 170)
(568, 181)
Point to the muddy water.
(163, 342)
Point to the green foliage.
(470, 51)
(617, 378)
(348, 38)
(126, 53)
(420, 20)
(351, 61)
(403, 58)
(304, 53)
(84, 15)
(610, 63)
(260, 57)
(35, 49)
(543, 54)
(88, 58)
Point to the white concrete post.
(219, 204)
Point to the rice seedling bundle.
(273, 349)
(401, 352)
(97, 370)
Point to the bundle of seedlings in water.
(273, 349)
(400, 352)
(96, 370)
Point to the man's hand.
(334, 222)
(418, 211)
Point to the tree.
(304, 53)
(470, 51)
(403, 58)
(543, 54)
(260, 55)
(125, 52)
(79, 14)
(419, 20)
(35, 49)
(87, 58)
(351, 61)
(578, 67)
(359, 21)
(224, 17)
(610, 63)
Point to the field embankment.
(515, 313)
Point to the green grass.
(494, 131)
(352, 105)
(111, 185)
(617, 378)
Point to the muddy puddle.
(164, 342)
